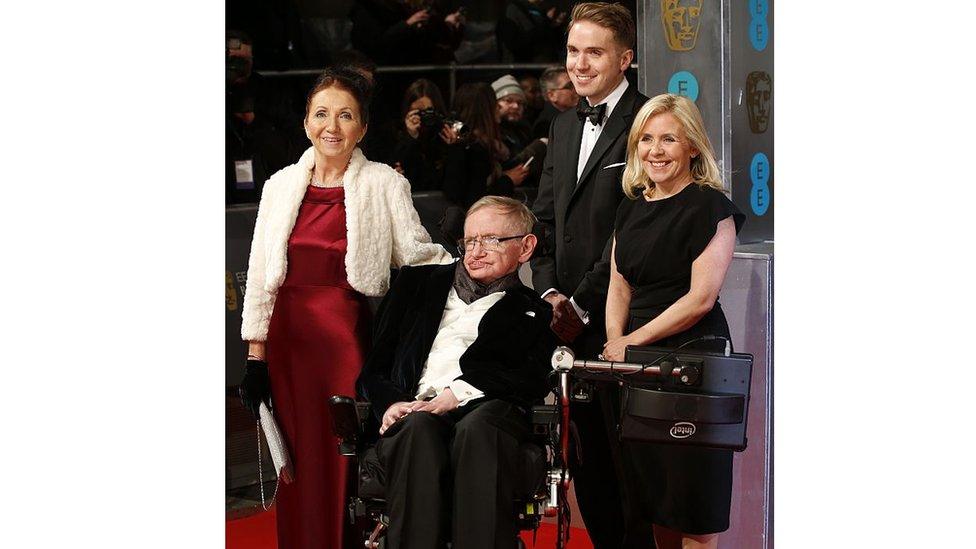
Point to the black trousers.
(602, 489)
(453, 477)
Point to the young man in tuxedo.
(578, 196)
(460, 352)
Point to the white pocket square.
(530, 313)
(617, 165)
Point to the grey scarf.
(470, 290)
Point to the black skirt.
(684, 488)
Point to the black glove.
(256, 386)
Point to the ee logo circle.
(758, 27)
(758, 8)
(759, 173)
(684, 83)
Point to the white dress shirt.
(591, 132)
(457, 331)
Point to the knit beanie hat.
(507, 85)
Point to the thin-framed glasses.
(490, 243)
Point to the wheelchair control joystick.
(690, 374)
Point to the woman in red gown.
(329, 229)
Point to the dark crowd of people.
(486, 136)
(615, 201)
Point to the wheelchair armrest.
(544, 414)
(544, 417)
(345, 423)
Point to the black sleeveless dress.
(683, 488)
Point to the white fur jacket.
(382, 229)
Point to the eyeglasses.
(489, 243)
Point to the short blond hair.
(614, 17)
(519, 214)
(704, 168)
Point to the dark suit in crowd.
(540, 128)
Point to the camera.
(430, 119)
(237, 70)
(459, 128)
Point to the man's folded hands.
(441, 404)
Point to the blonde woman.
(673, 243)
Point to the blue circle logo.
(759, 169)
(758, 33)
(759, 196)
(759, 199)
(758, 9)
(684, 83)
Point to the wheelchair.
(668, 396)
(542, 484)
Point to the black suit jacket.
(509, 360)
(579, 217)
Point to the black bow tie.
(595, 114)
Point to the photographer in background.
(407, 32)
(254, 148)
(421, 147)
(240, 58)
(476, 153)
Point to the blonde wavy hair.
(704, 169)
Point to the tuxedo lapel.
(498, 316)
(495, 330)
(617, 124)
(569, 160)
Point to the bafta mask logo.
(231, 294)
(681, 20)
(759, 88)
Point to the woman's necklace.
(326, 184)
(329, 184)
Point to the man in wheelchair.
(460, 353)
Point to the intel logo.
(683, 429)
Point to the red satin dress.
(317, 341)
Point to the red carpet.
(258, 532)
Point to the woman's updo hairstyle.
(348, 80)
